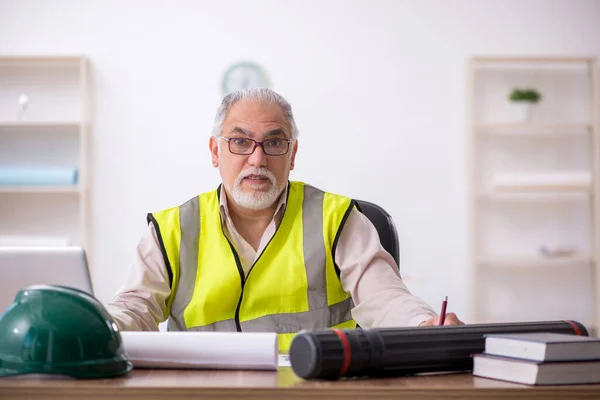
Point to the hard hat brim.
(95, 370)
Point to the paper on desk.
(202, 350)
(284, 360)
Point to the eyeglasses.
(246, 146)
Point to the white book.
(534, 372)
(542, 346)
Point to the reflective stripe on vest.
(328, 304)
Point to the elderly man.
(261, 253)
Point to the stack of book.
(539, 358)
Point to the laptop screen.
(25, 266)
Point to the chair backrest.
(388, 235)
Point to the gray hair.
(255, 94)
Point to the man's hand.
(451, 319)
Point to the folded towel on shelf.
(37, 175)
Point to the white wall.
(378, 89)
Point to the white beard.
(256, 200)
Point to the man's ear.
(293, 160)
(214, 151)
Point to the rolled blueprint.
(202, 350)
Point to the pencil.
(443, 313)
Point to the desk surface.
(173, 384)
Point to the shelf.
(41, 189)
(40, 60)
(533, 196)
(50, 134)
(539, 189)
(40, 124)
(533, 262)
(529, 59)
(531, 63)
(535, 130)
(532, 177)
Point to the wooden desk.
(284, 384)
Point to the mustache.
(255, 171)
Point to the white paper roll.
(202, 350)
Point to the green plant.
(530, 95)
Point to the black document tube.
(336, 353)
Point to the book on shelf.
(37, 175)
(535, 372)
(543, 346)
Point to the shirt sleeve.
(370, 274)
(141, 303)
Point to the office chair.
(385, 227)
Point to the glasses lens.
(275, 147)
(241, 145)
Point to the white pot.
(522, 111)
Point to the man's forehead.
(256, 117)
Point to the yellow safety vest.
(293, 285)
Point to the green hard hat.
(53, 329)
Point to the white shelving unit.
(533, 192)
(52, 131)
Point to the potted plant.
(524, 99)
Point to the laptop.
(25, 266)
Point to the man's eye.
(240, 142)
(274, 143)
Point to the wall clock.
(243, 75)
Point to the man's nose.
(258, 157)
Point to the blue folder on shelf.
(37, 175)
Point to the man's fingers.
(452, 319)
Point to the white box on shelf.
(551, 181)
(50, 241)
